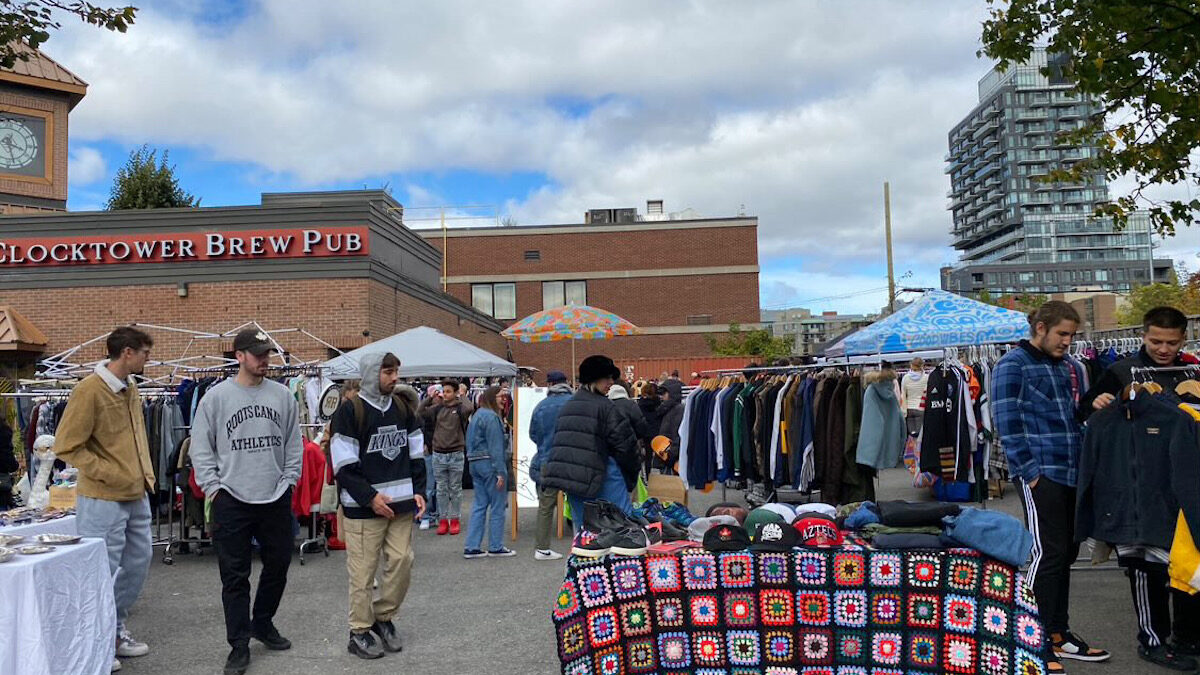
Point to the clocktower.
(36, 96)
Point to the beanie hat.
(597, 367)
(556, 377)
(617, 392)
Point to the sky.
(793, 111)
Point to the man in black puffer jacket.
(671, 412)
(591, 439)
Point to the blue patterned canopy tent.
(938, 319)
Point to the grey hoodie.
(246, 441)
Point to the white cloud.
(798, 111)
(86, 166)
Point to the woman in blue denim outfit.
(487, 450)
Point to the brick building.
(677, 280)
(340, 265)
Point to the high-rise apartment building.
(1015, 233)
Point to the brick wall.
(337, 311)
(572, 253)
(53, 103)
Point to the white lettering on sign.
(186, 246)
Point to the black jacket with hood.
(1138, 469)
(1119, 375)
(589, 430)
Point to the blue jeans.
(488, 498)
(125, 529)
(613, 490)
(430, 490)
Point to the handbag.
(329, 494)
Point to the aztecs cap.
(816, 530)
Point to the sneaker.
(443, 527)
(272, 639)
(502, 552)
(473, 553)
(1068, 646)
(128, 647)
(386, 630)
(364, 646)
(1186, 648)
(115, 666)
(238, 661)
(631, 541)
(424, 525)
(1167, 657)
(547, 555)
(594, 539)
(454, 529)
(678, 513)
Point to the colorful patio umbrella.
(570, 322)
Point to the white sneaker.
(547, 555)
(115, 666)
(127, 646)
(424, 525)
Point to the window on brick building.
(559, 293)
(498, 301)
(706, 319)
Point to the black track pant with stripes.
(1050, 518)
(1151, 589)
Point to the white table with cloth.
(64, 525)
(57, 613)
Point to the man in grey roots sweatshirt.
(247, 452)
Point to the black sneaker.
(272, 639)
(1167, 657)
(630, 541)
(473, 553)
(386, 630)
(595, 538)
(365, 646)
(238, 661)
(1069, 646)
(1186, 648)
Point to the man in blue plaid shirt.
(1035, 395)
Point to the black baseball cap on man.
(253, 340)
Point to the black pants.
(234, 524)
(1151, 587)
(1050, 518)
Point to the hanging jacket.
(1139, 468)
(881, 438)
(1120, 375)
(946, 439)
(541, 426)
(589, 431)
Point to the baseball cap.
(556, 377)
(253, 340)
(816, 507)
(729, 509)
(763, 515)
(817, 530)
(726, 538)
(774, 537)
(701, 526)
(786, 512)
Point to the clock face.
(19, 146)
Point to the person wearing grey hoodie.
(378, 453)
(247, 452)
(881, 437)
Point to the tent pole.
(574, 370)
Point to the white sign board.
(524, 448)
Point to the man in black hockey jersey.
(378, 453)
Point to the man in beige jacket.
(103, 434)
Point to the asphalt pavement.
(467, 617)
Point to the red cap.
(815, 530)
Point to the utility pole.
(445, 250)
(887, 224)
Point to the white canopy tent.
(424, 352)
